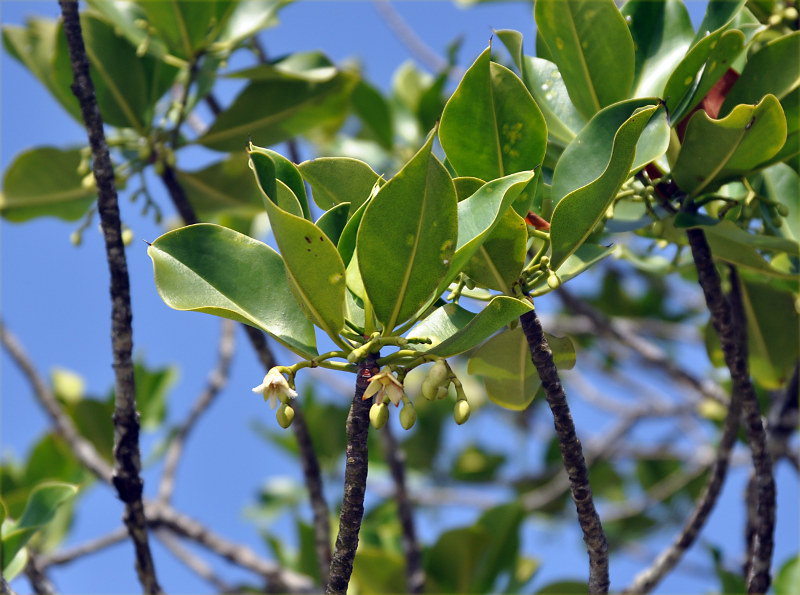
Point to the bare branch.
(571, 453)
(396, 459)
(408, 37)
(85, 549)
(216, 382)
(40, 583)
(126, 479)
(355, 481)
(195, 564)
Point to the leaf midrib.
(584, 65)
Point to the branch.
(126, 477)
(355, 481)
(80, 447)
(216, 382)
(85, 549)
(571, 453)
(729, 323)
(195, 564)
(396, 459)
(40, 583)
(408, 37)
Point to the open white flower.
(384, 384)
(275, 388)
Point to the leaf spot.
(308, 239)
(334, 279)
(559, 43)
(410, 240)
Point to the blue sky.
(54, 297)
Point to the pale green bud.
(378, 415)
(88, 182)
(75, 238)
(461, 412)
(127, 236)
(553, 281)
(442, 392)
(783, 210)
(408, 416)
(285, 415)
(438, 375)
(429, 390)
(544, 261)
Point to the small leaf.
(498, 262)
(29, 193)
(333, 221)
(772, 70)
(39, 510)
(287, 172)
(716, 151)
(207, 268)
(590, 43)
(454, 330)
(788, 577)
(409, 233)
(314, 268)
(576, 214)
(491, 126)
(374, 111)
(335, 180)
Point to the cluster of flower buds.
(276, 388)
(437, 384)
(386, 388)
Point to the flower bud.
(461, 412)
(442, 392)
(438, 375)
(88, 182)
(544, 261)
(378, 415)
(75, 238)
(408, 416)
(285, 415)
(783, 210)
(127, 236)
(429, 390)
(553, 281)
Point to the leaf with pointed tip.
(716, 151)
(287, 172)
(335, 180)
(27, 193)
(454, 330)
(576, 215)
(211, 269)
(491, 126)
(407, 238)
(590, 43)
(314, 268)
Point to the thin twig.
(195, 564)
(396, 459)
(409, 38)
(40, 583)
(126, 479)
(571, 453)
(355, 481)
(80, 447)
(90, 547)
(216, 382)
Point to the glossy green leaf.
(466, 186)
(498, 262)
(772, 70)
(183, 25)
(480, 214)
(335, 180)
(207, 268)
(91, 418)
(728, 230)
(563, 588)
(662, 33)
(29, 193)
(409, 231)
(722, 56)
(152, 388)
(716, 151)
(39, 510)
(375, 113)
(453, 330)
(347, 240)
(788, 577)
(281, 103)
(491, 127)
(543, 80)
(34, 45)
(576, 214)
(314, 268)
(790, 152)
(244, 19)
(591, 45)
(780, 183)
(582, 259)
(127, 86)
(226, 185)
(587, 157)
(286, 172)
(378, 570)
(772, 333)
(333, 221)
(123, 16)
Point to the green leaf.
(286, 172)
(127, 86)
(281, 102)
(335, 180)
(184, 26)
(92, 419)
(582, 259)
(590, 43)
(772, 70)
(152, 387)
(244, 19)
(791, 148)
(408, 234)
(376, 570)
(498, 262)
(772, 333)
(347, 240)
(375, 113)
(39, 510)
(716, 151)
(466, 186)
(454, 330)
(45, 182)
(225, 186)
(780, 183)
(333, 221)
(788, 577)
(314, 268)
(587, 157)
(491, 127)
(207, 268)
(563, 588)
(474, 464)
(662, 33)
(576, 214)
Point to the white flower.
(385, 384)
(274, 388)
